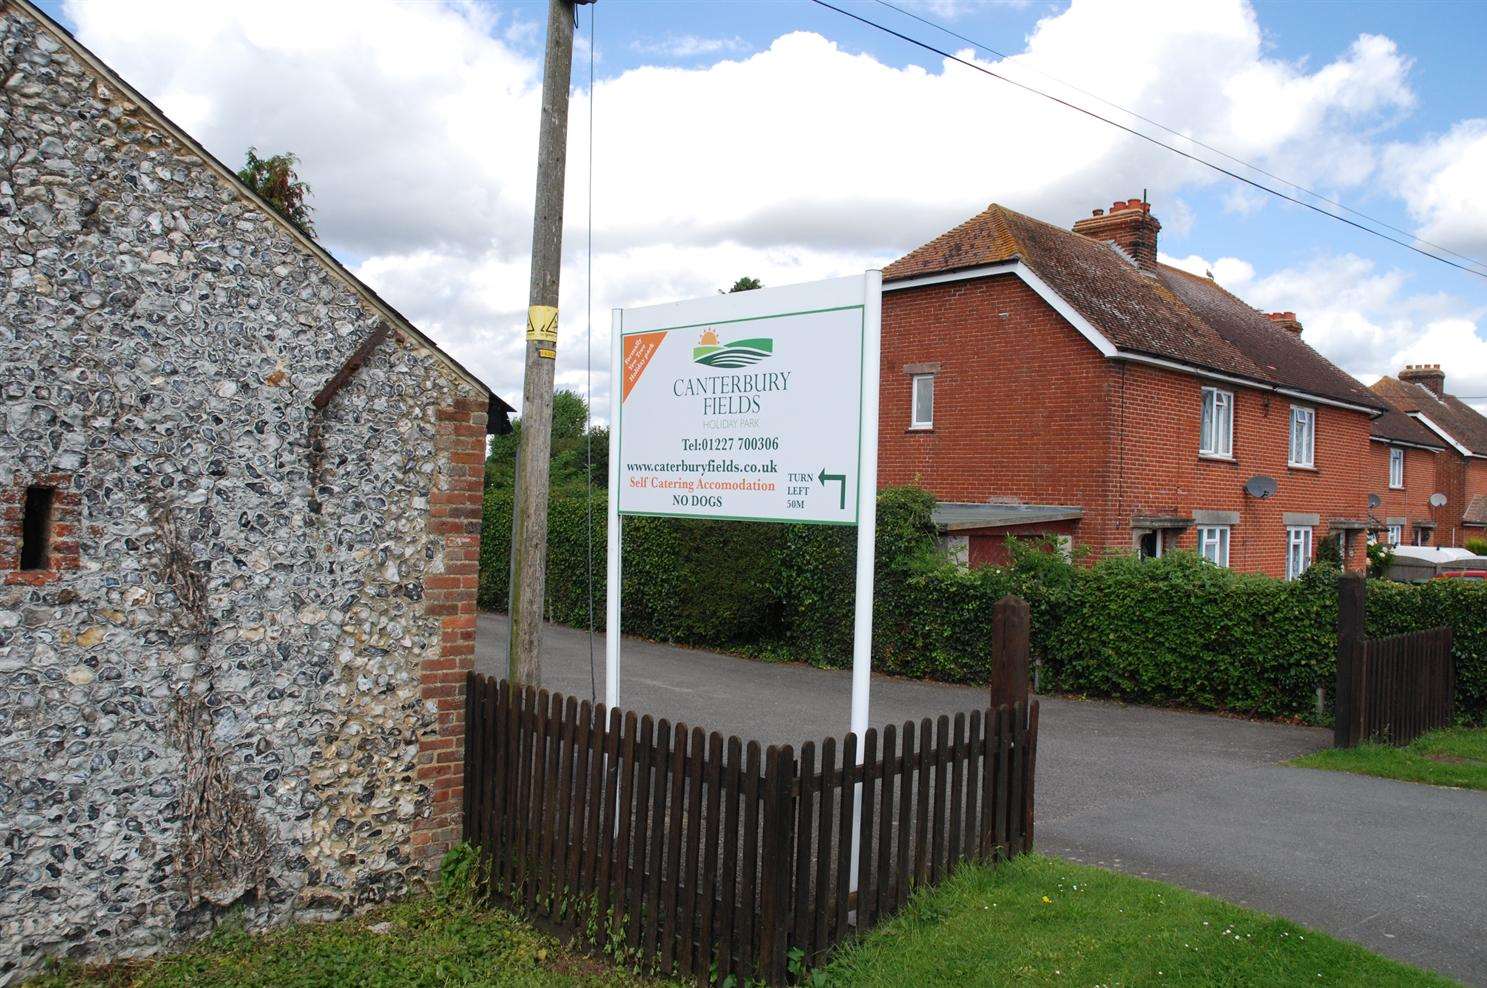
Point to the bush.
(1477, 547)
(1174, 630)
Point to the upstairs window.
(922, 414)
(1298, 552)
(1213, 544)
(1217, 438)
(36, 528)
(1303, 436)
(1396, 467)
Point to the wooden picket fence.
(1406, 686)
(1389, 689)
(688, 853)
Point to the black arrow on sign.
(840, 478)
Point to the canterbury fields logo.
(739, 353)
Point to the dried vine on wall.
(223, 849)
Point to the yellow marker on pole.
(542, 323)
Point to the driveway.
(1195, 799)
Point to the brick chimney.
(1286, 321)
(1429, 375)
(1130, 225)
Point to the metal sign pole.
(612, 510)
(867, 503)
(867, 530)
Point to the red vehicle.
(1463, 574)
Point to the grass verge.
(1455, 756)
(1042, 921)
(421, 942)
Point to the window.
(1303, 436)
(1149, 544)
(1422, 535)
(922, 415)
(36, 528)
(1217, 438)
(1396, 467)
(1213, 544)
(1396, 534)
(1298, 551)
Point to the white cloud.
(416, 126)
(1441, 181)
(689, 46)
(1365, 320)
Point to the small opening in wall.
(36, 528)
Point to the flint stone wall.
(219, 697)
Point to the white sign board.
(751, 406)
(745, 406)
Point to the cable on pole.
(1148, 138)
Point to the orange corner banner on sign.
(639, 349)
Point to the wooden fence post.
(1009, 652)
(775, 861)
(1351, 595)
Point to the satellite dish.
(1374, 501)
(1260, 487)
(1437, 500)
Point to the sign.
(744, 408)
(750, 406)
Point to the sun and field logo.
(739, 353)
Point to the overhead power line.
(1187, 137)
(1155, 141)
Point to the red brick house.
(1044, 380)
(1402, 467)
(1461, 466)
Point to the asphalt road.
(1197, 800)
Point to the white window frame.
(1396, 468)
(1217, 538)
(1303, 451)
(1396, 535)
(915, 422)
(1423, 535)
(1218, 410)
(1298, 551)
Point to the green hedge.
(1170, 631)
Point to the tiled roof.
(1476, 511)
(1396, 425)
(1461, 422)
(1167, 313)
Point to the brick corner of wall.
(449, 595)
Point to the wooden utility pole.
(529, 544)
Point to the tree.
(275, 180)
(744, 284)
(569, 470)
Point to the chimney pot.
(1129, 225)
(1286, 321)
(1429, 375)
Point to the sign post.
(752, 406)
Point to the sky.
(781, 140)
